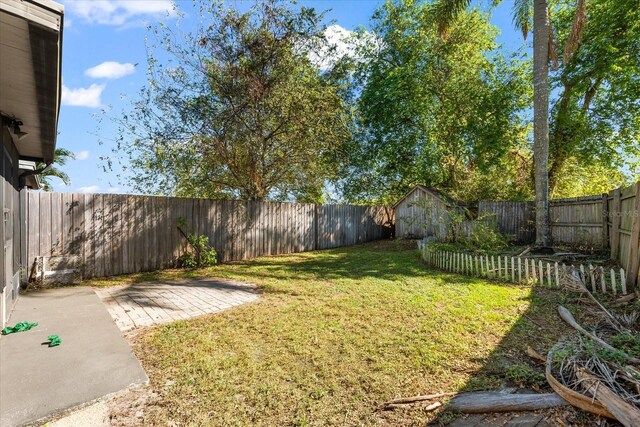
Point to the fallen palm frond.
(535, 355)
(573, 360)
(575, 398)
(571, 280)
(594, 370)
(568, 317)
(624, 412)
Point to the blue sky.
(104, 62)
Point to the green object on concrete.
(54, 340)
(19, 327)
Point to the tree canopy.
(595, 127)
(246, 107)
(239, 110)
(435, 110)
(453, 111)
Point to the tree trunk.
(541, 119)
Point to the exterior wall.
(421, 214)
(10, 230)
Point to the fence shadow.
(119, 234)
(509, 369)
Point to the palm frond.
(61, 155)
(579, 23)
(446, 11)
(58, 174)
(523, 16)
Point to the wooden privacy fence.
(579, 221)
(575, 221)
(525, 270)
(99, 235)
(515, 219)
(622, 231)
(608, 221)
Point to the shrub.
(485, 237)
(203, 255)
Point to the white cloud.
(120, 12)
(89, 189)
(113, 190)
(110, 70)
(83, 97)
(82, 155)
(339, 42)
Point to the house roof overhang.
(31, 181)
(30, 73)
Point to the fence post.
(634, 260)
(615, 225)
(605, 220)
(24, 227)
(316, 246)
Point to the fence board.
(512, 218)
(119, 234)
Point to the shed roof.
(449, 201)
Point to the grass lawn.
(335, 334)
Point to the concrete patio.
(93, 360)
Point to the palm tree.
(60, 158)
(543, 50)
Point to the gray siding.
(421, 214)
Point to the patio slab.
(150, 303)
(93, 360)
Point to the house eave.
(31, 78)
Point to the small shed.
(425, 212)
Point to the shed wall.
(421, 214)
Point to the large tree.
(595, 111)
(436, 111)
(238, 110)
(526, 12)
(595, 119)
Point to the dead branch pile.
(597, 370)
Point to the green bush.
(203, 255)
(486, 238)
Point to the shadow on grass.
(533, 323)
(508, 368)
(139, 293)
(353, 262)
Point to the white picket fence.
(524, 270)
